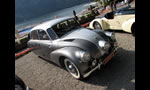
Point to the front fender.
(126, 26)
(69, 52)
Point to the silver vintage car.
(79, 50)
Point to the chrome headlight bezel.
(104, 45)
(111, 35)
(84, 56)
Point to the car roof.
(50, 23)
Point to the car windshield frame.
(68, 26)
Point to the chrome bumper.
(97, 67)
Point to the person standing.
(125, 1)
(128, 2)
(115, 6)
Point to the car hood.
(82, 38)
(84, 34)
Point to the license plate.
(109, 58)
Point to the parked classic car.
(121, 19)
(19, 84)
(79, 50)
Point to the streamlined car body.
(122, 19)
(79, 50)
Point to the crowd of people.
(125, 2)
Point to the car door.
(46, 44)
(110, 21)
(114, 23)
(34, 42)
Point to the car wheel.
(97, 25)
(19, 84)
(133, 30)
(72, 69)
(18, 87)
(133, 33)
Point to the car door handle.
(49, 46)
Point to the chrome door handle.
(49, 46)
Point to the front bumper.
(106, 60)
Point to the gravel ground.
(118, 74)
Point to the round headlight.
(111, 35)
(94, 62)
(104, 45)
(84, 56)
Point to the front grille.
(102, 58)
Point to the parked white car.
(122, 19)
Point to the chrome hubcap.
(97, 26)
(72, 69)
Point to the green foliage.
(96, 0)
(23, 43)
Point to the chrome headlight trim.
(111, 35)
(104, 45)
(84, 56)
(94, 62)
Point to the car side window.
(34, 35)
(52, 34)
(42, 35)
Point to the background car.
(122, 19)
(79, 50)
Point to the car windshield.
(64, 27)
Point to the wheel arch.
(61, 60)
(100, 23)
(96, 20)
(133, 28)
(59, 55)
(127, 26)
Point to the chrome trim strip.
(88, 73)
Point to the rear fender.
(126, 26)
